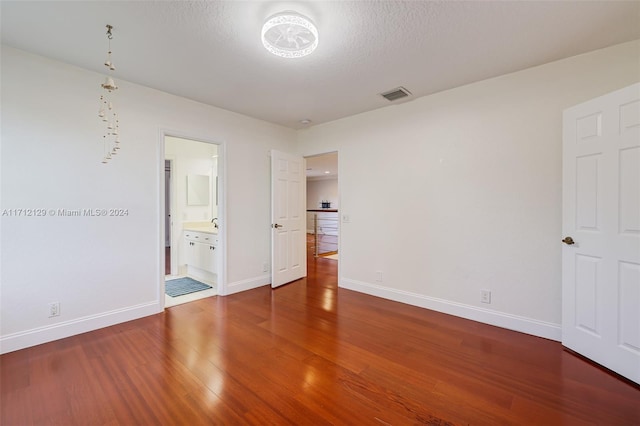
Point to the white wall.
(468, 195)
(105, 270)
(322, 190)
(463, 190)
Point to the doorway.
(323, 208)
(193, 220)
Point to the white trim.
(222, 271)
(160, 267)
(526, 325)
(248, 284)
(49, 333)
(173, 240)
(323, 177)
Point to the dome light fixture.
(289, 34)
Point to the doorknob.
(568, 241)
(277, 226)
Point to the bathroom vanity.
(201, 252)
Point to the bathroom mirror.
(198, 190)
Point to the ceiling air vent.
(395, 94)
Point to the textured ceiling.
(211, 51)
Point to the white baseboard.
(37, 336)
(248, 284)
(500, 319)
(202, 274)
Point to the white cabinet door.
(601, 214)
(208, 257)
(191, 253)
(200, 251)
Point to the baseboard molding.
(526, 325)
(40, 335)
(248, 284)
(201, 274)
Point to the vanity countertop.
(200, 227)
(207, 229)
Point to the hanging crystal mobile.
(107, 112)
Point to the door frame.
(222, 209)
(172, 208)
(318, 154)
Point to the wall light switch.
(346, 218)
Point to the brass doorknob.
(568, 241)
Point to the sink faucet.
(215, 222)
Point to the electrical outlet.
(346, 218)
(379, 276)
(54, 309)
(265, 267)
(485, 296)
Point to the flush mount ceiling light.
(289, 35)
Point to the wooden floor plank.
(308, 353)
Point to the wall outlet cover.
(54, 309)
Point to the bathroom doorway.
(193, 220)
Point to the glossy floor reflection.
(307, 353)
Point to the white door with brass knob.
(288, 218)
(601, 231)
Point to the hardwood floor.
(167, 260)
(308, 353)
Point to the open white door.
(288, 214)
(601, 225)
